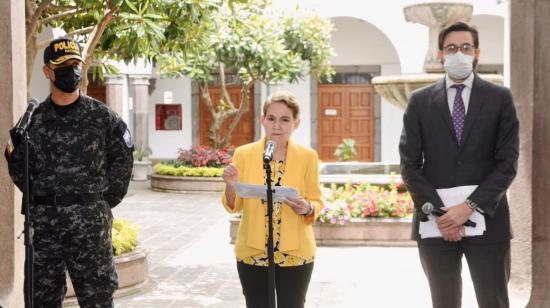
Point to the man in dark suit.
(462, 131)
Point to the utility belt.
(67, 199)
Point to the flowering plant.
(124, 236)
(335, 213)
(362, 201)
(203, 156)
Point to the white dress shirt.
(451, 92)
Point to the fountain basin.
(397, 89)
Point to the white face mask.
(458, 65)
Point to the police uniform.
(80, 163)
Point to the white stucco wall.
(391, 123)
(165, 143)
(491, 38)
(410, 40)
(358, 42)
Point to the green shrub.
(125, 236)
(171, 170)
(346, 151)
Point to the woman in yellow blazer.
(295, 166)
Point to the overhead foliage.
(125, 30)
(258, 46)
(195, 38)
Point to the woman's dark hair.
(459, 26)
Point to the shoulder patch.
(128, 139)
(9, 149)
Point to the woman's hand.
(230, 175)
(300, 206)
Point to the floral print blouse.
(281, 258)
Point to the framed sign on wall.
(168, 116)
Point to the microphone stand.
(28, 229)
(270, 256)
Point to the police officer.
(80, 162)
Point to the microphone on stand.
(429, 208)
(269, 150)
(25, 120)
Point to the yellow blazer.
(302, 174)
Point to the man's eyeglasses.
(465, 48)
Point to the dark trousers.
(290, 282)
(76, 238)
(489, 268)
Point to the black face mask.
(67, 78)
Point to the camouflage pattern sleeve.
(14, 158)
(120, 161)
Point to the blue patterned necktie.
(459, 112)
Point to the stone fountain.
(435, 15)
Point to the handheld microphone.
(269, 150)
(429, 208)
(25, 120)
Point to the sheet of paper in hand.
(280, 193)
(452, 197)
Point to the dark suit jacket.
(432, 159)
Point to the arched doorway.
(348, 107)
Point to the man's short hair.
(458, 26)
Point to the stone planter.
(358, 172)
(133, 275)
(357, 232)
(141, 170)
(186, 183)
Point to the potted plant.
(196, 169)
(142, 164)
(130, 262)
(346, 151)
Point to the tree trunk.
(31, 54)
(32, 16)
(95, 36)
(243, 108)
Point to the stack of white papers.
(280, 193)
(453, 197)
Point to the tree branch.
(81, 31)
(225, 95)
(54, 7)
(97, 32)
(243, 108)
(61, 15)
(33, 24)
(208, 100)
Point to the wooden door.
(345, 111)
(97, 90)
(244, 131)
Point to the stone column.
(12, 103)
(140, 85)
(529, 80)
(114, 84)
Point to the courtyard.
(191, 262)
